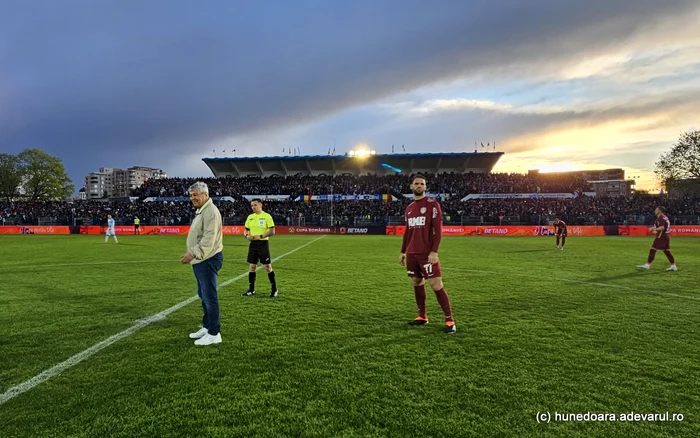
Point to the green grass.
(538, 331)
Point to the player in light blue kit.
(110, 229)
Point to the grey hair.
(199, 187)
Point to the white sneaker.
(199, 333)
(208, 339)
(672, 268)
(644, 266)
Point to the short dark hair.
(663, 209)
(415, 177)
(256, 200)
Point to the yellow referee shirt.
(258, 224)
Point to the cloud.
(93, 82)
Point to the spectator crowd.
(536, 210)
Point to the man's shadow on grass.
(637, 273)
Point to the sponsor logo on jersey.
(416, 221)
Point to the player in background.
(110, 229)
(419, 252)
(662, 241)
(561, 232)
(137, 225)
(259, 226)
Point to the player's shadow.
(131, 244)
(528, 250)
(619, 277)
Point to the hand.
(433, 258)
(249, 237)
(185, 259)
(402, 260)
(652, 229)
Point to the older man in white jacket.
(204, 253)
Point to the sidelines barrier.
(398, 230)
(331, 230)
(31, 229)
(506, 230)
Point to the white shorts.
(110, 232)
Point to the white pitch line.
(76, 359)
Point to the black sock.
(251, 281)
(273, 281)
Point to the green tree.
(45, 177)
(10, 175)
(680, 167)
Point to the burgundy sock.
(444, 301)
(563, 241)
(652, 254)
(670, 256)
(420, 300)
(557, 240)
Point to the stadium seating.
(534, 210)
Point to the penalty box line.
(76, 359)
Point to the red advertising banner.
(685, 230)
(31, 229)
(304, 230)
(676, 230)
(147, 229)
(506, 230)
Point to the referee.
(258, 228)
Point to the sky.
(557, 85)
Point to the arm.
(407, 234)
(436, 225)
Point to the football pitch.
(542, 335)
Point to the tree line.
(42, 177)
(679, 168)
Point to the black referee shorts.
(259, 250)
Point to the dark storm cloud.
(76, 77)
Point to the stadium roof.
(462, 162)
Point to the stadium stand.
(374, 200)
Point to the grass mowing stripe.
(481, 271)
(590, 283)
(76, 359)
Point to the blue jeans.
(207, 273)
